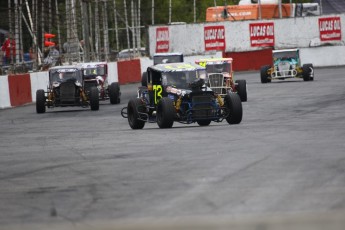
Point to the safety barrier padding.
(129, 71)
(251, 60)
(19, 89)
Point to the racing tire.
(233, 105)
(114, 93)
(135, 106)
(204, 122)
(165, 113)
(144, 79)
(94, 99)
(40, 101)
(308, 72)
(241, 88)
(264, 75)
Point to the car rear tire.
(94, 99)
(144, 79)
(307, 72)
(233, 105)
(241, 88)
(135, 106)
(204, 122)
(264, 75)
(165, 113)
(114, 93)
(40, 101)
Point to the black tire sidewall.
(263, 74)
(40, 101)
(241, 88)
(233, 105)
(133, 106)
(114, 93)
(165, 113)
(94, 98)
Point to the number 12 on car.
(157, 89)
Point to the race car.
(96, 74)
(286, 64)
(177, 92)
(66, 88)
(221, 77)
(161, 58)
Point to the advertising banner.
(330, 29)
(214, 37)
(261, 34)
(162, 39)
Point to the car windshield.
(182, 79)
(96, 71)
(218, 68)
(62, 75)
(285, 55)
(167, 59)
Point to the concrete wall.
(302, 32)
(4, 93)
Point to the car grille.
(203, 107)
(216, 81)
(68, 92)
(284, 66)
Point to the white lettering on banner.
(163, 35)
(214, 34)
(257, 31)
(262, 41)
(330, 36)
(214, 44)
(330, 25)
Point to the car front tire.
(233, 106)
(40, 101)
(264, 75)
(308, 69)
(241, 88)
(165, 113)
(135, 106)
(94, 99)
(114, 93)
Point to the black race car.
(177, 92)
(66, 88)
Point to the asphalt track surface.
(73, 165)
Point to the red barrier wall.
(251, 60)
(19, 89)
(129, 71)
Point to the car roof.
(177, 67)
(285, 50)
(214, 60)
(64, 68)
(166, 54)
(91, 64)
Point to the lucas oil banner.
(261, 34)
(214, 37)
(330, 29)
(162, 40)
